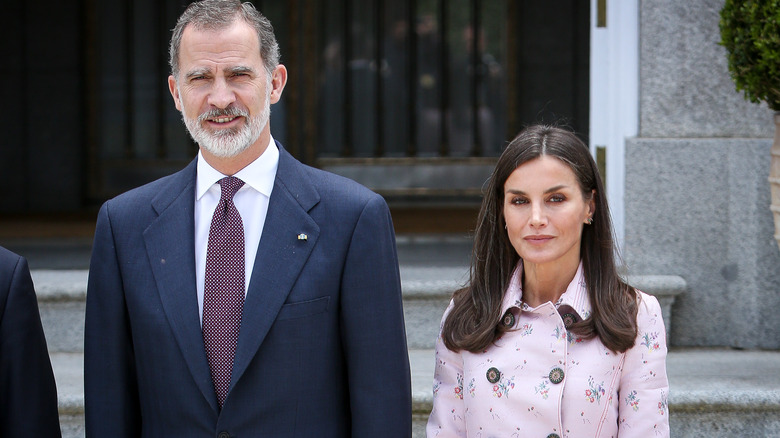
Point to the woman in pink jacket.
(547, 340)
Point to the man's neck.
(232, 165)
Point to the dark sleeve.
(111, 406)
(28, 400)
(373, 330)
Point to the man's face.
(223, 89)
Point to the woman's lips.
(538, 238)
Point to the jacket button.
(493, 375)
(508, 319)
(223, 435)
(556, 375)
(569, 319)
(553, 435)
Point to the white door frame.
(614, 95)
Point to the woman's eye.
(519, 201)
(557, 198)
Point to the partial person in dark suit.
(312, 343)
(28, 394)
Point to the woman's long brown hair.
(473, 322)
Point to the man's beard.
(227, 142)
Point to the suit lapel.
(170, 245)
(280, 257)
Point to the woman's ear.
(592, 204)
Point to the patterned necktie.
(223, 298)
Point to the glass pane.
(459, 115)
(113, 80)
(395, 78)
(554, 58)
(147, 78)
(492, 86)
(443, 89)
(428, 80)
(362, 77)
(331, 94)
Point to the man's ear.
(174, 91)
(278, 81)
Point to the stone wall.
(697, 196)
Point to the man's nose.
(222, 94)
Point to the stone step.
(62, 295)
(69, 374)
(426, 294)
(62, 301)
(714, 392)
(431, 270)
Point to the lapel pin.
(303, 237)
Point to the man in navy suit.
(321, 347)
(28, 394)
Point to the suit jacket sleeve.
(28, 402)
(110, 388)
(373, 329)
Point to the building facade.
(416, 99)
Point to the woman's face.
(545, 210)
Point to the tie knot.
(229, 185)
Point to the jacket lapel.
(280, 257)
(170, 245)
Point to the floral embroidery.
(559, 334)
(572, 339)
(473, 388)
(459, 388)
(502, 387)
(595, 392)
(436, 388)
(526, 329)
(649, 341)
(632, 400)
(543, 390)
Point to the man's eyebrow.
(198, 72)
(241, 69)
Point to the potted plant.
(750, 32)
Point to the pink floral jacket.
(538, 380)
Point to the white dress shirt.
(251, 200)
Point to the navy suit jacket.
(322, 348)
(28, 394)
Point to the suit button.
(493, 375)
(223, 435)
(556, 375)
(553, 435)
(508, 319)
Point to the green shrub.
(750, 32)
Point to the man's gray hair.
(218, 15)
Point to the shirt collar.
(576, 295)
(259, 174)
